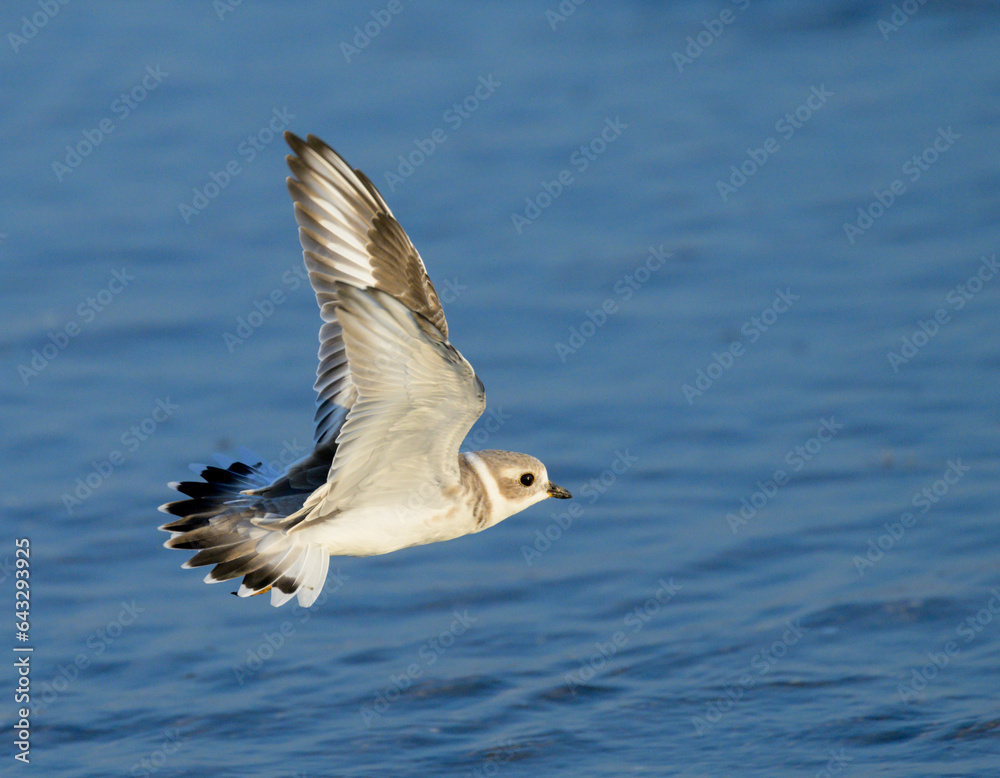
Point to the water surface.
(779, 414)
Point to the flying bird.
(394, 402)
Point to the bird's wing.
(417, 398)
(349, 235)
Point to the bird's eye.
(527, 479)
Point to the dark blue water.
(778, 413)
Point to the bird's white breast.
(382, 529)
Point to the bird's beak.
(558, 492)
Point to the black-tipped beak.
(558, 492)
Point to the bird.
(395, 400)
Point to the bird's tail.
(230, 529)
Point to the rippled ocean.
(728, 268)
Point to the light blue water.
(654, 630)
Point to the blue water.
(781, 432)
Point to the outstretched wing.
(417, 398)
(349, 235)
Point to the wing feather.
(417, 398)
(349, 235)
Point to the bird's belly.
(370, 531)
